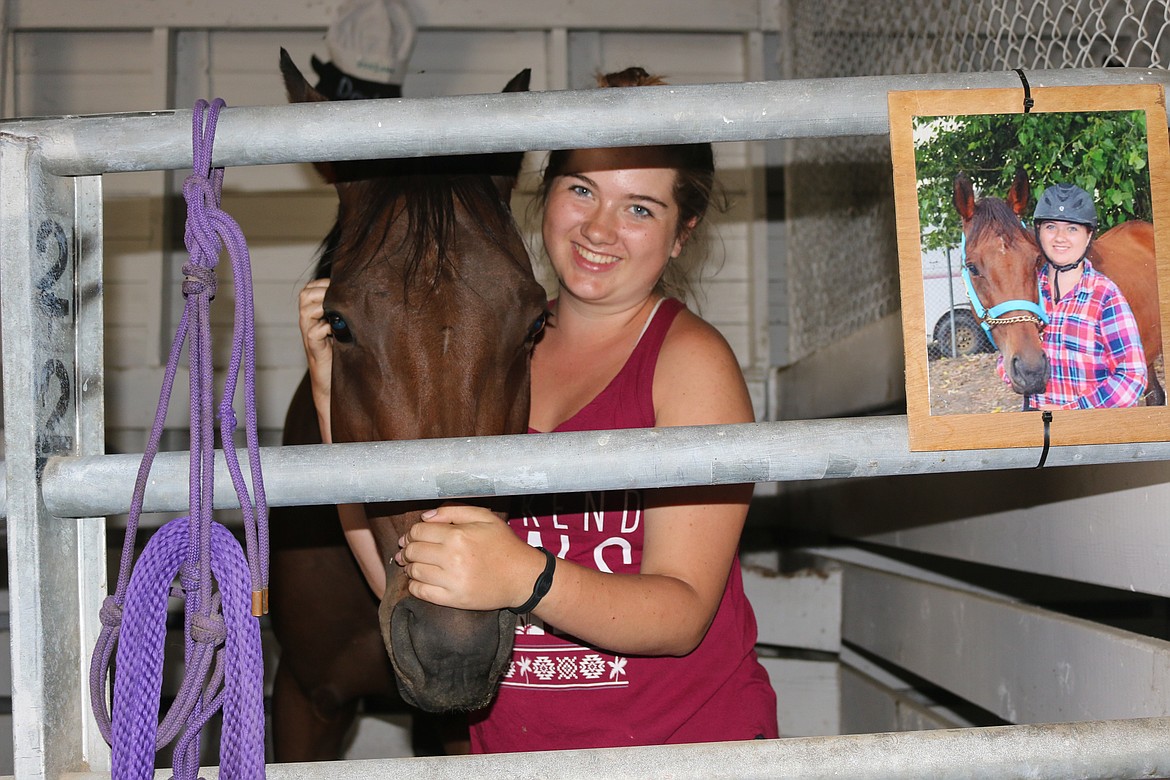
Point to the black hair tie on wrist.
(540, 588)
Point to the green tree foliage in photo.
(1103, 152)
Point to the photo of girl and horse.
(978, 288)
(1101, 152)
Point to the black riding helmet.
(1066, 203)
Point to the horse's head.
(999, 266)
(434, 309)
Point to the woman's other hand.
(467, 557)
(317, 337)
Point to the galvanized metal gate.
(50, 247)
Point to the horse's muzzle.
(445, 658)
(1028, 376)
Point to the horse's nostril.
(400, 646)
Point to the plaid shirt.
(1095, 354)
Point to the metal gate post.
(50, 272)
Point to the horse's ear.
(299, 91)
(1018, 195)
(520, 81)
(295, 85)
(964, 196)
(509, 162)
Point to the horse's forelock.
(428, 204)
(994, 216)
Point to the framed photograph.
(1034, 268)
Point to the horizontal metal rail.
(555, 462)
(417, 127)
(1095, 750)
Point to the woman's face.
(610, 226)
(1064, 242)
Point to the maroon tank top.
(561, 694)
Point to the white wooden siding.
(1104, 525)
(879, 702)
(799, 610)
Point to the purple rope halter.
(223, 663)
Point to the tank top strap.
(644, 359)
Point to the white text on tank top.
(603, 528)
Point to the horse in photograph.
(1000, 260)
(434, 309)
(1125, 253)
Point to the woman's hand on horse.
(467, 557)
(316, 336)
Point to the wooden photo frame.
(1112, 141)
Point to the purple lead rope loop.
(223, 658)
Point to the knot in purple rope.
(208, 630)
(201, 191)
(199, 280)
(111, 612)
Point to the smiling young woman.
(1092, 342)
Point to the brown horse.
(1001, 258)
(434, 309)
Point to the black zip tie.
(1046, 416)
(1028, 101)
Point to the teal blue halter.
(992, 316)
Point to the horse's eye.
(537, 326)
(972, 269)
(339, 326)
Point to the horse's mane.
(424, 192)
